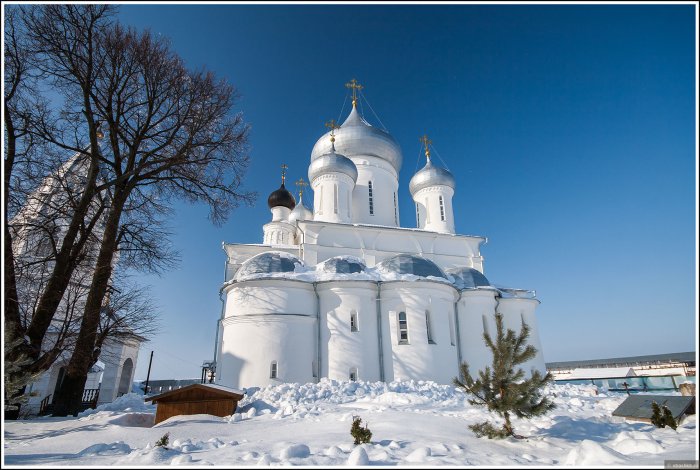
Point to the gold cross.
(284, 171)
(355, 87)
(332, 126)
(301, 184)
(426, 142)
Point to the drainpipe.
(318, 334)
(379, 330)
(459, 340)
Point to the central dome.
(356, 137)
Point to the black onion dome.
(281, 197)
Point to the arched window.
(427, 212)
(452, 328)
(347, 201)
(442, 208)
(429, 327)
(417, 215)
(396, 212)
(371, 198)
(273, 370)
(485, 324)
(353, 321)
(335, 198)
(353, 374)
(403, 328)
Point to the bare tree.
(169, 133)
(30, 122)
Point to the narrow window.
(403, 328)
(320, 199)
(347, 200)
(442, 209)
(273, 370)
(429, 328)
(452, 328)
(335, 198)
(427, 212)
(353, 321)
(313, 369)
(353, 374)
(371, 198)
(485, 324)
(417, 215)
(396, 213)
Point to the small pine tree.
(656, 417)
(662, 416)
(501, 387)
(361, 435)
(668, 418)
(163, 441)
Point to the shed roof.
(639, 406)
(207, 390)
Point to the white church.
(343, 291)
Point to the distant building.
(639, 373)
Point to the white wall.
(475, 308)
(428, 203)
(384, 185)
(342, 348)
(114, 355)
(251, 343)
(514, 310)
(333, 197)
(279, 233)
(264, 321)
(420, 360)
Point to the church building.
(341, 290)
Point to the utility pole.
(148, 374)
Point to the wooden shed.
(196, 399)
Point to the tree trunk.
(69, 397)
(507, 427)
(63, 268)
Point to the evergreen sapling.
(361, 435)
(501, 388)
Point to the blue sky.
(570, 130)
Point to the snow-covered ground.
(412, 423)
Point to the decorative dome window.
(268, 262)
(411, 264)
(343, 265)
(468, 278)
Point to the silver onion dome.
(332, 162)
(357, 137)
(300, 212)
(430, 175)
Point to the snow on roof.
(599, 373)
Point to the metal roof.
(411, 264)
(688, 357)
(639, 406)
